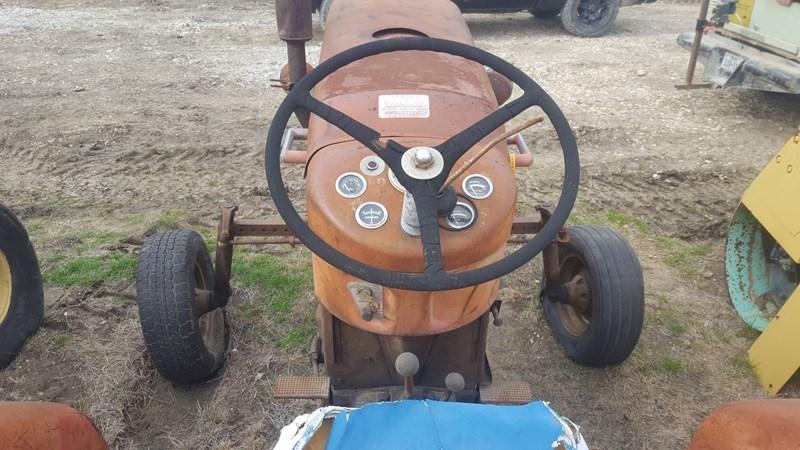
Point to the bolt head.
(423, 158)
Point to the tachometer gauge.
(371, 215)
(462, 216)
(477, 186)
(351, 185)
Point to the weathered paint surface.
(771, 198)
(459, 93)
(746, 268)
(775, 355)
(751, 425)
(46, 426)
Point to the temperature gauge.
(462, 216)
(478, 187)
(371, 215)
(351, 185)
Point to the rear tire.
(183, 345)
(589, 18)
(606, 269)
(21, 295)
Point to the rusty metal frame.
(274, 231)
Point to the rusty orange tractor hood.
(459, 93)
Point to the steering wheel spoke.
(455, 147)
(426, 202)
(357, 130)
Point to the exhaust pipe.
(294, 28)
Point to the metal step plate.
(312, 388)
(507, 392)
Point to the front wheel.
(185, 340)
(596, 306)
(589, 18)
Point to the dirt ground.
(123, 118)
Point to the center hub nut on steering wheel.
(422, 163)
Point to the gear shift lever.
(454, 382)
(407, 365)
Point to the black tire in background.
(589, 18)
(545, 13)
(607, 266)
(183, 345)
(21, 295)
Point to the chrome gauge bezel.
(352, 194)
(458, 227)
(395, 182)
(375, 225)
(364, 165)
(470, 194)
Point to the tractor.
(410, 214)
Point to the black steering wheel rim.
(425, 281)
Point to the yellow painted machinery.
(762, 264)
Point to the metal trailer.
(756, 46)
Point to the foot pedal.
(311, 388)
(507, 392)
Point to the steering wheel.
(425, 188)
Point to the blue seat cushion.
(435, 425)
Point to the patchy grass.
(625, 220)
(720, 333)
(88, 271)
(279, 283)
(612, 218)
(751, 334)
(670, 366)
(61, 340)
(34, 228)
(297, 337)
(92, 239)
(671, 320)
(170, 219)
(682, 255)
(741, 363)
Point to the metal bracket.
(368, 298)
(224, 254)
(523, 158)
(290, 136)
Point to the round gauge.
(351, 185)
(372, 165)
(371, 215)
(462, 216)
(395, 182)
(477, 186)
